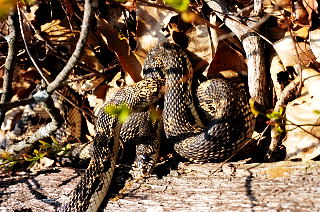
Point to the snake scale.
(209, 124)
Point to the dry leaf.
(284, 4)
(150, 24)
(303, 136)
(214, 34)
(311, 82)
(310, 6)
(299, 13)
(314, 37)
(94, 101)
(128, 60)
(227, 58)
(201, 45)
(6, 6)
(301, 32)
(292, 53)
(152, 21)
(103, 93)
(59, 33)
(275, 68)
(11, 118)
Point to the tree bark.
(188, 187)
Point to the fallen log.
(186, 187)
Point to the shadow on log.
(191, 187)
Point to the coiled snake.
(209, 124)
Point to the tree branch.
(45, 95)
(89, 6)
(57, 121)
(43, 132)
(9, 65)
(288, 93)
(22, 102)
(252, 45)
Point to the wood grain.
(281, 186)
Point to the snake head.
(165, 57)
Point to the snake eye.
(211, 108)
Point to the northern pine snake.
(209, 124)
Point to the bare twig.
(43, 132)
(27, 48)
(57, 54)
(44, 95)
(257, 7)
(9, 105)
(54, 113)
(9, 65)
(2, 35)
(39, 96)
(300, 126)
(232, 21)
(75, 105)
(89, 6)
(56, 122)
(288, 93)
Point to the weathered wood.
(191, 187)
(252, 44)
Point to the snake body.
(226, 120)
(95, 182)
(209, 124)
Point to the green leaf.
(188, 17)
(6, 156)
(180, 5)
(121, 111)
(32, 164)
(111, 110)
(55, 141)
(29, 158)
(253, 108)
(155, 115)
(124, 115)
(41, 155)
(275, 115)
(316, 111)
(122, 1)
(278, 129)
(44, 145)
